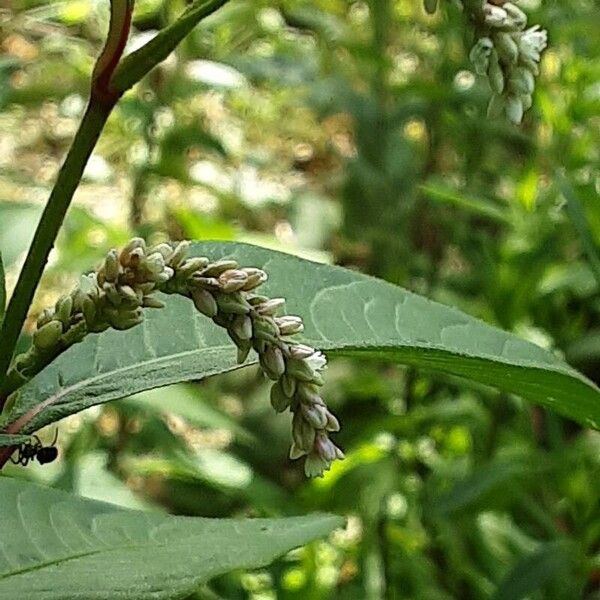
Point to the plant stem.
(50, 222)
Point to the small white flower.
(533, 42)
(316, 361)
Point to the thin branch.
(102, 100)
(47, 230)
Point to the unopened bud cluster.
(116, 294)
(507, 52)
(509, 56)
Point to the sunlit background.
(352, 133)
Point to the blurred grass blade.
(475, 206)
(345, 312)
(549, 563)
(56, 546)
(577, 215)
(477, 486)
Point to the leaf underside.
(56, 546)
(344, 312)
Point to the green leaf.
(137, 64)
(59, 546)
(551, 561)
(345, 312)
(477, 485)
(2, 289)
(12, 440)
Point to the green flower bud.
(333, 424)
(232, 303)
(164, 249)
(302, 433)
(215, 269)
(63, 309)
(301, 370)
(242, 327)
(111, 266)
(315, 414)
(517, 17)
(129, 294)
(256, 277)
(308, 393)
(45, 317)
(290, 325)
(265, 328)
(507, 47)
(48, 335)
(191, 265)
(112, 294)
(243, 349)
(205, 302)
(179, 254)
(89, 310)
(232, 280)
(151, 302)
(288, 385)
(127, 319)
(126, 253)
(270, 307)
(154, 263)
(279, 400)
(495, 74)
(514, 109)
(273, 363)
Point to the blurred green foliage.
(351, 132)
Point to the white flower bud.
(480, 55)
(517, 18)
(506, 47)
(514, 109)
(495, 74)
(495, 16)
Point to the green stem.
(50, 222)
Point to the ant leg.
(55, 437)
(15, 461)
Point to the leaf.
(12, 440)
(58, 546)
(551, 561)
(344, 311)
(137, 64)
(480, 483)
(2, 289)
(18, 224)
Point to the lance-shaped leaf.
(56, 546)
(345, 312)
(2, 289)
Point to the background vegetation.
(352, 133)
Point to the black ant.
(30, 450)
